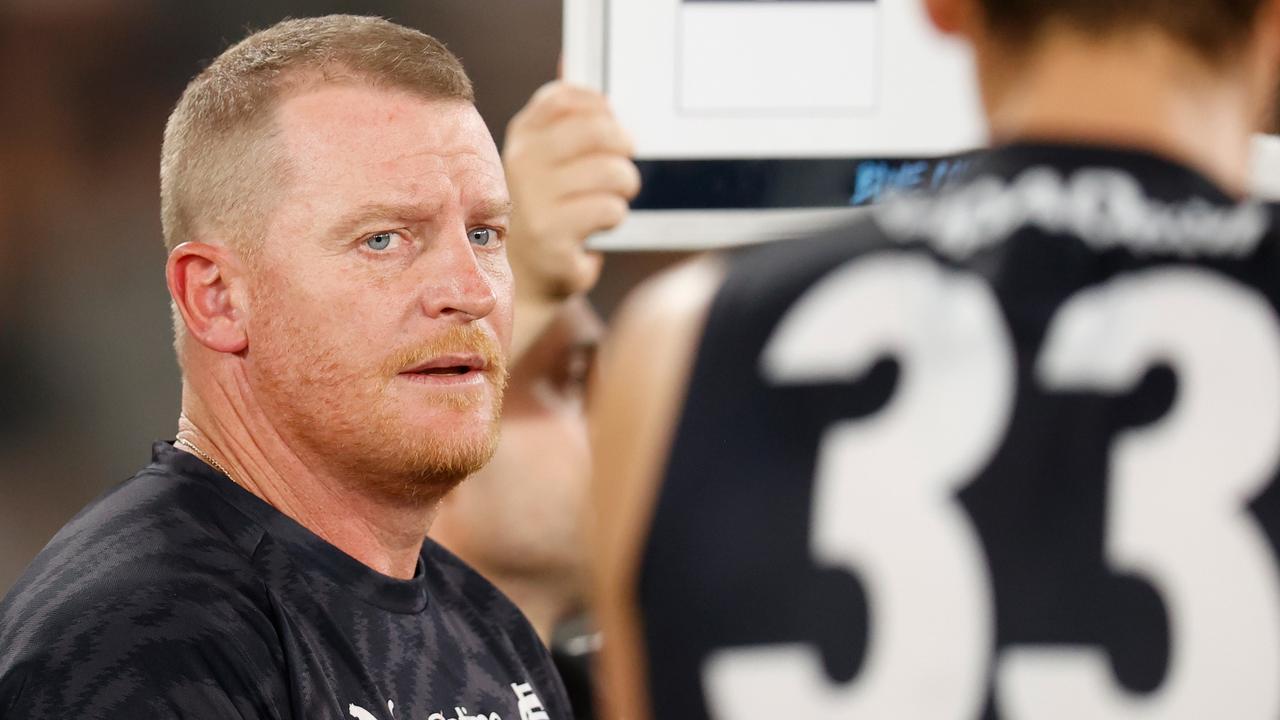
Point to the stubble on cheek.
(331, 393)
(431, 462)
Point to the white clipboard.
(739, 89)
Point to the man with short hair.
(1005, 451)
(335, 213)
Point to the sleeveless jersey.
(1004, 451)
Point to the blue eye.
(481, 236)
(381, 241)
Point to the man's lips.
(448, 369)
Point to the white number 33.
(885, 485)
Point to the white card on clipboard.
(757, 119)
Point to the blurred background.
(87, 374)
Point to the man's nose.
(455, 283)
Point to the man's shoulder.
(149, 562)
(143, 528)
(464, 587)
(497, 621)
(145, 602)
(490, 611)
(138, 643)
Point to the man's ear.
(200, 278)
(950, 17)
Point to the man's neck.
(1142, 90)
(386, 536)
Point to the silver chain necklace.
(207, 458)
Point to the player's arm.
(637, 394)
(569, 170)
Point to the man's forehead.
(351, 146)
(357, 124)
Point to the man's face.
(380, 311)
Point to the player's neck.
(1142, 90)
(385, 536)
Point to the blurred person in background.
(520, 519)
(336, 216)
(1008, 450)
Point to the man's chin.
(426, 467)
(435, 425)
(425, 480)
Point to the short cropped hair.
(1215, 29)
(218, 164)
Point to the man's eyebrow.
(379, 211)
(492, 208)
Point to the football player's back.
(1004, 451)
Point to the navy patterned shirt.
(178, 594)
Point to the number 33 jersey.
(1006, 451)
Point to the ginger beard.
(318, 373)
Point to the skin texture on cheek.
(324, 362)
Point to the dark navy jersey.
(1006, 451)
(180, 595)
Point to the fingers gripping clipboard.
(760, 119)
